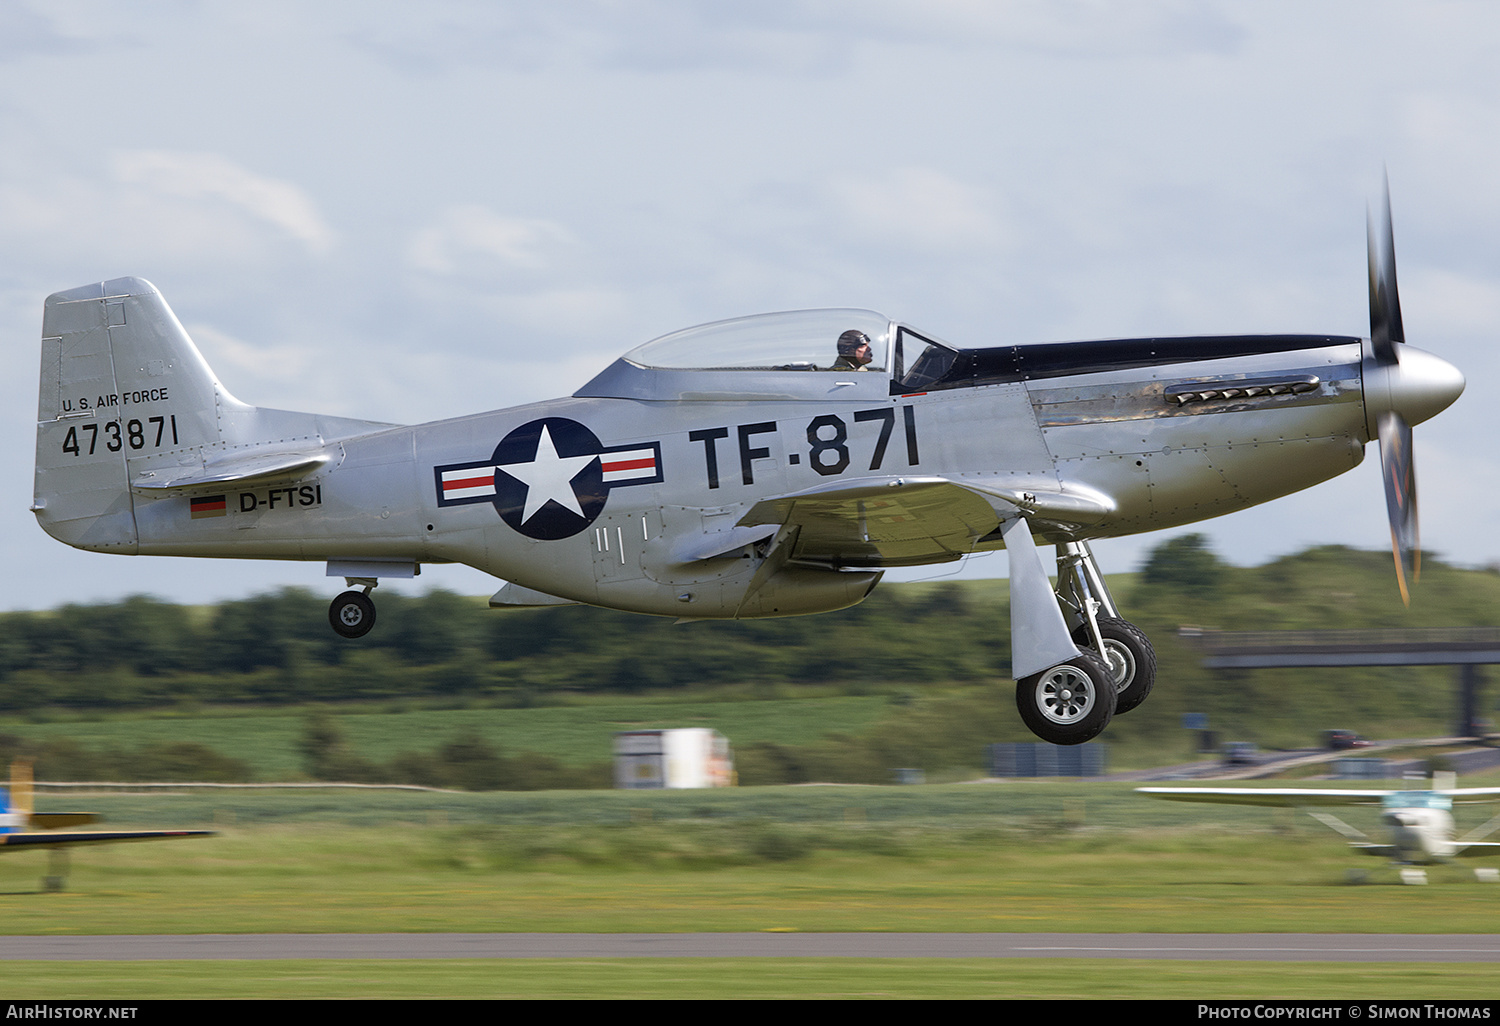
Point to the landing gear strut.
(352, 614)
(57, 870)
(1098, 627)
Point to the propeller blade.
(1398, 469)
(1386, 331)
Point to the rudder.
(121, 382)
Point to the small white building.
(685, 757)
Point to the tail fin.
(21, 789)
(130, 413)
(121, 381)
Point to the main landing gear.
(1069, 703)
(352, 614)
(1072, 702)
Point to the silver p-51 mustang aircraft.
(1420, 822)
(764, 466)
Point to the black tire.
(1131, 659)
(352, 614)
(1069, 703)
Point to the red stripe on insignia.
(453, 484)
(649, 461)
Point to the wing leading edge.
(50, 838)
(899, 521)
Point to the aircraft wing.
(879, 522)
(1472, 795)
(1470, 849)
(59, 837)
(1286, 797)
(894, 521)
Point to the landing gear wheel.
(1069, 703)
(352, 614)
(1130, 656)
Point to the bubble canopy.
(798, 340)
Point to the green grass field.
(767, 978)
(1022, 857)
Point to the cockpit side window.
(919, 362)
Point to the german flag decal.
(208, 506)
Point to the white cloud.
(471, 234)
(244, 360)
(208, 176)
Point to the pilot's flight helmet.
(851, 340)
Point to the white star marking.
(548, 477)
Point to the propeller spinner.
(1403, 386)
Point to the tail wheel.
(1131, 660)
(352, 614)
(1070, 703)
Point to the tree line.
(277, 648)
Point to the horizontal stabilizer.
(249, 469)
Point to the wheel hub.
(1064, 695)
(1121, 664)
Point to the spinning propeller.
(1405, 386)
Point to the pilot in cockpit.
(854, 351)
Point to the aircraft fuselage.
(1139, 439)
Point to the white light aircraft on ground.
(1420, 821)
(765, 466)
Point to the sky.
(403, 212)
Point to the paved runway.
(1252, 947)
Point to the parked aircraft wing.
(1471, 795)
(53, 838)
(1470, 849)
(1286, 797)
